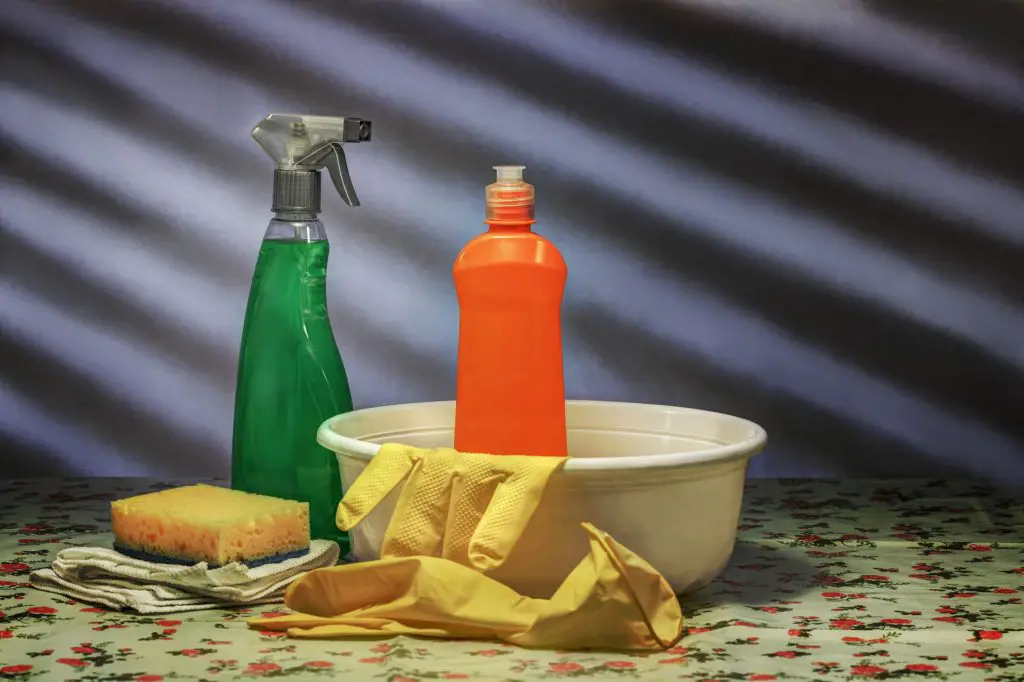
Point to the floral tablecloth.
(830, 580)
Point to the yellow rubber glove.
(612, 600)
(465, 507)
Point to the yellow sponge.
(207, 523)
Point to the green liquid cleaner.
(290, 379)
(290, 375)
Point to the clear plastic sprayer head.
(509, 199)
(300, 142)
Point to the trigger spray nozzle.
(301, 146)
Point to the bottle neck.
(295, 226)
(510, 227)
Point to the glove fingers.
(512, 506)
(470, 497)
(389, 467)
(418, 525)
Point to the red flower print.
(979, 548)
(1005, 590)
(149, 678)
(13, 568)
(1019, 569)
(922, 667)
(168, 623)
(896, 621)
(402, 678)
(488, 652)
(73, 662)
(784, 654)
(965, 595)
(83, 649)
(831, 595)
(6, 634)
(670, 661)
(261, 668)
(975, 664)
(15, 669)
(846, 623)
(45, 610)
(620, 665)
(762, 677)
(768, 609)
(382, 648)
(989, 634)
(808, 538)
(320, 664)
(947, 619)
(831, 579)
(875, 578)
(191, 653)
(373, 659)
(697, 631)
(565, 667)
(93, 609)
(853, 639)
(794, 632)
(974, 653)
(866, 670)
(274, 614)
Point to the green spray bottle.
(290, 374)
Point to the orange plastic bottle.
(510, 392)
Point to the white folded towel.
(108, 578)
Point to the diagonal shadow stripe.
(991, 26)
(24, 459)
(929, 238)
(52, 280)
(663, 374)
(65, 79)
(90, 198)
(938, 117)
(946, 370)
(433, 376)
(73, 397)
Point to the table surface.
(830, 581)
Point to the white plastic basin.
(667, 482)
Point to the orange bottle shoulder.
(497, 248)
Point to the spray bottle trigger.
(332, 156)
